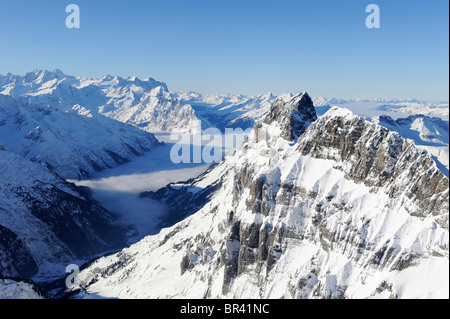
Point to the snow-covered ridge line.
(380, 158)
(238, 107)
(428, 133)
(146, 104)
(132, 101)
(73, 143)
(336, 214)
(47, 78)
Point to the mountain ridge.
(146, 104)
(46, 221)
(72, 143)
(298, 220)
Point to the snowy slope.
(149, 105)
(229, 110)
(417, 107)
(392, 107)
(429, 133)
(237, 110)
(12, 289)
(146, 103)
(155, 111)
(348, 209)
(232, 110)
(72, 143)
(44, 220)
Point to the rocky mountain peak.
(42, 76)
(311, 219)
(293, 117)
(376, 157)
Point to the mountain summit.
(146, 104)
(293, 117)
(348, 210)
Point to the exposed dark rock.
(182, 199)
(379, 158)
(54, 221)
(293, 117)
(15, 255)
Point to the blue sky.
(239, 46)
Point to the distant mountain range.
(328, 198)
(146, 104)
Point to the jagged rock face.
(337, 214)
(293, 117)
(367, 154)
(183, 199)
(428, 133)
(378, 158)
(45, 220)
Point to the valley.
(314, 198)
(118, 189)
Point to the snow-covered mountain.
(146, 103)
(229, 110)
(394, 106)
(237, 110)
(429, 133)
(420, 128)
(21, 289)
(309, 207)
(318, 203)
(233, 110)
(149, 105)
(73, 143)
(45, 220)
(440, 109)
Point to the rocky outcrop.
(293, 117)
(377, 157)
(369, 155)
(341, 208)
(45, 220)
(183, 198)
